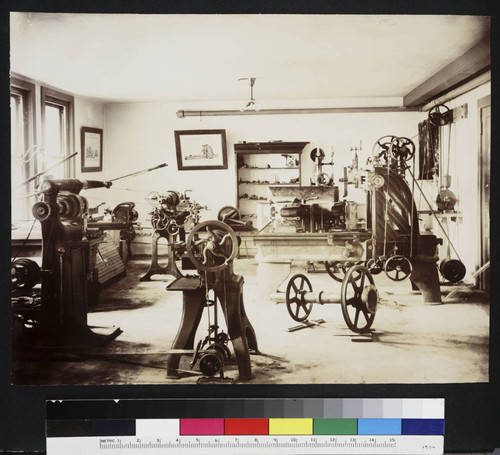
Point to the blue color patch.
(105, 427)
(423, 426)
(379, 426)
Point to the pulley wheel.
(382, 146)
(402, 148)
(298, 309)
(374, 266)
(359, 299)
(211, 245)
(334, 269)
(440, 115)
(323, 179)
(452, 269)
(25, 273)
(228, 212)
(317, 155)
(212, 361)
(398, 268)
(41, 211)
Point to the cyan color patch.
(379, 426)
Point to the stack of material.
(110, 265)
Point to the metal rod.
(434, 214)
(139, 172)
(47, 169)
(320, 110)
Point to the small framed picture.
(91, 149)
(201, 149)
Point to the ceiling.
(199, 58)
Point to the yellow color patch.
(291, 426)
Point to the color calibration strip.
(391, 427)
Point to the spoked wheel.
(298, 309)
(440, 115)
(398, 268)
(334, 269)
(337, 270)
(402, 148)
(25, 273)
(228, 213)
(359, 299)
(382, 146)
(211, 246)
(375, 266)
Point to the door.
(484, 107)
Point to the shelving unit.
(263, 164)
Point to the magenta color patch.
(198, 427)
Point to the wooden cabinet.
(263, 164)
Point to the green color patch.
(335, 426)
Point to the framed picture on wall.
(201, 149)
(91, 149)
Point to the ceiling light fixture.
(252, 104)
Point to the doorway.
(484, 115)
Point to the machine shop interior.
(199, 199)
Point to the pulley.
(171, 199)
(382, 146)
(25, 273)
(41, 210)
(71, 206)
(398, 267)
(323, 179)
(337, 270)
(402, 148)
(317, 155)
(375, 266)
(452, 270)
(228, 213)
(440, 115)
(212, 360)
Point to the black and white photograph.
(250, 199)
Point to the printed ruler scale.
(249, 426)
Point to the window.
(23, 150)
(57, 124)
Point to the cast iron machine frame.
(212, 246)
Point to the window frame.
(27, 92)
(49, 96)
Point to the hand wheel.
(359, 299)
(211, 245)
(398, 268)
(298, 309)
